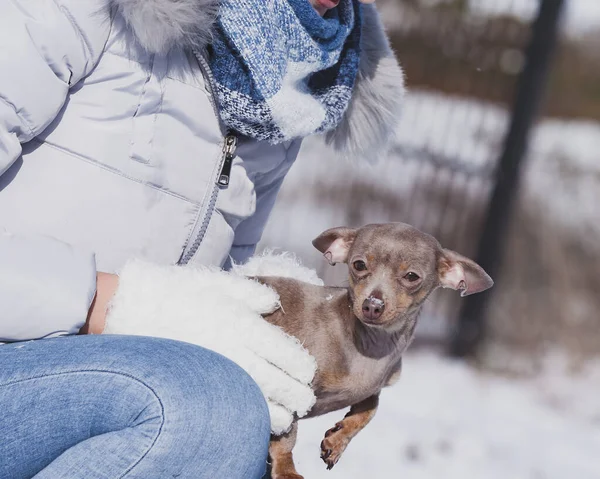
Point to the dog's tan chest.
(340, 386)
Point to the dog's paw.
(283, 470)
(334, 445)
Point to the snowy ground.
(446, 420)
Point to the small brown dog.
(358, 334)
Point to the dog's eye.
(360, 265)
(411, 277)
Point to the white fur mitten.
(220, 311)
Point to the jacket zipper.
(224, 168)
(228, 155)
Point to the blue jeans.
(108, 407)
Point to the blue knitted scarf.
(282, 71)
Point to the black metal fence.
(531, 86)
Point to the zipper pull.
(228, 155)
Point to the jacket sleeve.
(249, 232)
(46, 287)
(46, 46)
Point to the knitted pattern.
(282, 71)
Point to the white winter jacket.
(110, 142)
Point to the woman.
(156, 129)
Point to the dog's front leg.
(280, 452)
(338, 437)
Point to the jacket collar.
(373, 114)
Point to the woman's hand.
(106, 286)
(220, 311)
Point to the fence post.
(530, 87)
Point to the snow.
(445, 419)
(582, 15)
(376, 301)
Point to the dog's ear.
(460, 273)
(335, 244)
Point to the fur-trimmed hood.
(374, 110)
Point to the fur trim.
(374, 111)
(373, 114)
(160, 25)
(222, 312)
(285, 265)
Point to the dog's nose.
(373, 307)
